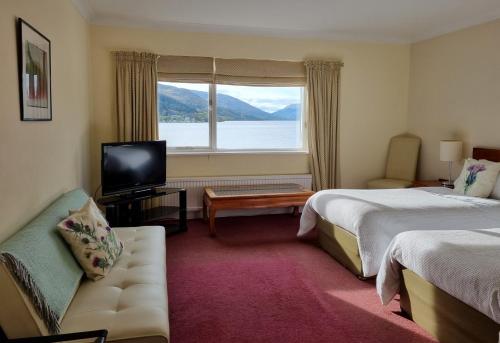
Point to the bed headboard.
(486, 154)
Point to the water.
(235, 134)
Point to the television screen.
(133, 166)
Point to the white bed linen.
(376, 216)
(463, 263)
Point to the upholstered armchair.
(401, 165)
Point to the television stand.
(144, 208)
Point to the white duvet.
(463, 263)
(376, 216)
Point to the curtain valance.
(186, 69)
(259, 72)
(231, 71)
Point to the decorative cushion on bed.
(94, 244)
(477, 178)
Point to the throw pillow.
(93, 243)
(477, 178)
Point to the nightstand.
(429, 183)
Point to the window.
(256, 118)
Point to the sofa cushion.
(94, 244)
(42, 265)
(131, 301)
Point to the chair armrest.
(99, 335)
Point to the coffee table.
(252, 196)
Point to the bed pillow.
(495, 194)
(93, 243)
(477, 178)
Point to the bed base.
(341, 245)
(442, 315)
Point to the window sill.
(236, 152)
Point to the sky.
(269, 99)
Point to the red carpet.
(256, 282)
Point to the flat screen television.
(132, 166)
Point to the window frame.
(212, 148)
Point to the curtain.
(136, 91)
(322, 86)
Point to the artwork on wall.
(34, 73)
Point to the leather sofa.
(130, 302)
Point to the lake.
(235, 134)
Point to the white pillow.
(495, 194)
(477, 178)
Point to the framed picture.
(33, 50)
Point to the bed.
(448, 281)
(357, 226)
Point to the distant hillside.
(291, 112)
(184, 105)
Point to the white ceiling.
(365, 20)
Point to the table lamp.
(450, 151)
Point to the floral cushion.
(94, 244)
(477, 178)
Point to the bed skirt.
(442, 315)
(341, 245)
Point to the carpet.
(256, 282)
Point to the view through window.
(247, 117)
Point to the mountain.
(291, 112)
(184, 105)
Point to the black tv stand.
(130, 209)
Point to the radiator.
(195, 185)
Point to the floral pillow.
(477, 178)
(93, 243)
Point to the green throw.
(42, 263)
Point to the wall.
(455, 93)
(41, 160)
(374, 89)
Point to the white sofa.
(130, 302)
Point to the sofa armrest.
(99, 335)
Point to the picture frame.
(34, 68)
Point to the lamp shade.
(450, 151)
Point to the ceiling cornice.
(86, 10)
(456, 26)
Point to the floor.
(256, 282)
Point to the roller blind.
(259, 72)
(186, 69)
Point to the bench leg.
(205, 211)
(211, 224)
(295, 212)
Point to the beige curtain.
(322, 86)
(136, 89)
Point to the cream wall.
(40, 160)
(455, 93)
(374, 90)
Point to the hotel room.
(234, 171)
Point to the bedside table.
(429, 183)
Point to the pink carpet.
(256, 282)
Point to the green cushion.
(42, 263)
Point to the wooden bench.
(250, 197)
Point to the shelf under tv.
(130, 210)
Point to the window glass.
(183, 114)
(259, 118)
